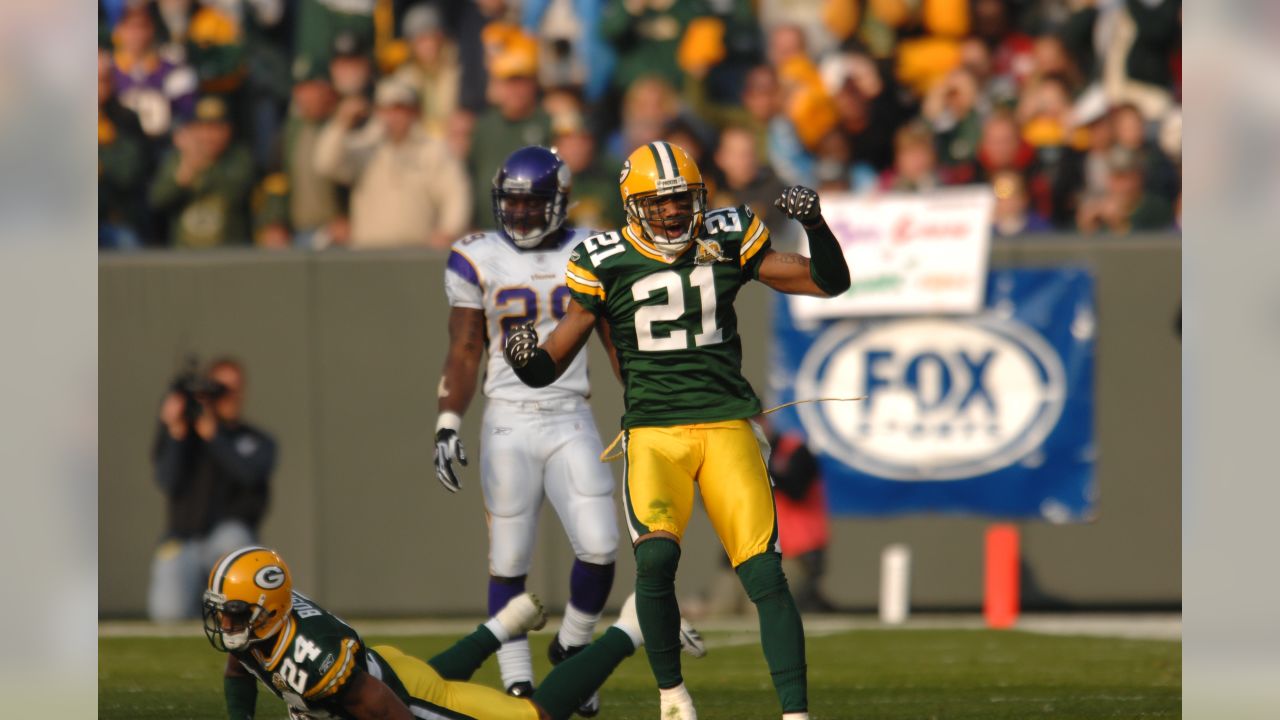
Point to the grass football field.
(920, 674)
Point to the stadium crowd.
(376, 123)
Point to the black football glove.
(521, 343)
(449, 448)
(800, 203)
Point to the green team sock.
(571, 682)
(241, 692)
(781, 632)
(464, 657)
(657, 609)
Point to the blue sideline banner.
(990, 414)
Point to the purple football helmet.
(531, 195)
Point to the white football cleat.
(676, 704)
(521, 614)
(691, 642)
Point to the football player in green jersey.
(665, 285)
(323, 670)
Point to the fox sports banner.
(989, 414)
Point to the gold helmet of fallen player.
(664, 196)
(248, 599)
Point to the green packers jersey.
(673, 321)
(311, 661)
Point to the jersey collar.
(283, 640)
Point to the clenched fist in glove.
(521, 343)
(800, 203)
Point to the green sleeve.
(582, 279)
(751, 268)
(591, 303)
(827, 265)
(754, 243)
(241, 692)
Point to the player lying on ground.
(322, 669)
(537, 443)
(665, 285)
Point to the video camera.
(195, 388)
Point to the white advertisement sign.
(908, 254)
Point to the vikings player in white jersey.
(535, 442)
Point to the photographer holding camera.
(214, 470)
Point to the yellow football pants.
(725, 460)
(467, 699)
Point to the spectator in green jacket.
(646, 35)
(202, 188)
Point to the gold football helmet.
(249, 598)
(663, 193)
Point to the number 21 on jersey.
(701, 279)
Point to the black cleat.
(522, 689)
(557, 654)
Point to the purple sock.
(501, 590)
(589, 586)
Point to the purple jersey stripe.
(463, 268)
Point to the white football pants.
(528, 449)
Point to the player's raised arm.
(824, 273)
(540, 366)
(457, 386)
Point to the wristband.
(448, 420)
(827, 266)
(540, 371)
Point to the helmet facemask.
(235, 624)
(527, 218)
(670, 220)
